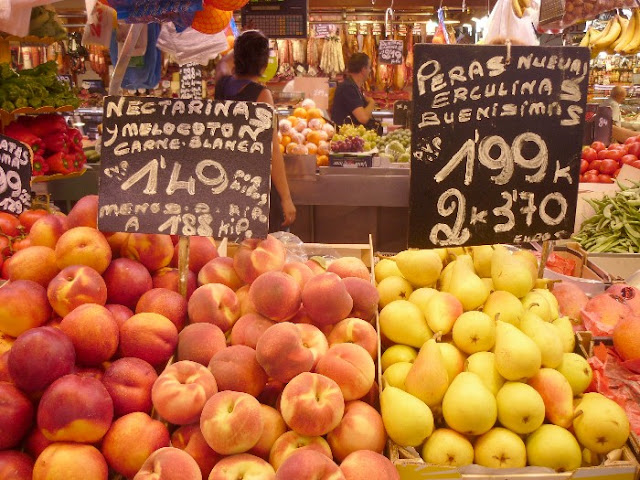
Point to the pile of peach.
(273, 374)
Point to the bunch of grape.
(347, 144)
(403, 135)
(370, 137)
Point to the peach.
(170, 278)
(190, 439)
(365, 297)
(74, 286)
(36, 442)
(84, 213)
(357, 331)
(40, 356)
(290, 442)
(255, 257)
(83, 246)
(310, 465)
(246, 305)
(316, 267)
(5, 376)
(214, 303)
(199, 342)
(131, 440)
(94, 333)
(126, 281)
(281, 352)
(116, 241)
(23, 305)
(302, 317)
(149, 336)
(271, 393)
(6, 341)
(361, 428)
(236, 368)
(301, 272)
(46, 231)
(16, 415)
(220, 270)
(242, 466)
(70, 461)
(168, 463)
(120, 312)
(312, 404)
(201, 251)
(37, 264)
(326, 299)
(92, 372)
(276, 296)
(351, 367)
(15, 465)
(165, 302)
(129, 381)
(346, 267)
(274, 427)
(314, 340)
(152, 250)
(571, 299)
(231, 422)
(368, 465)
(248, 329)
(75, 409)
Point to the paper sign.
(390, 52)
(191, 81)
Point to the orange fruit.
(314, 113)
(227, 4)
(293, 120)
(281, 148)
(312, 148)
(322, 161)
(314, 137)
(300, 112)
(210, 20)
(291, 147)
(286, 140)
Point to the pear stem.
(577, 414)
(437, 336)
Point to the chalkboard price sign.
(186, 167)
(495, 143)
(402, 113)
(15, 175)
(191, 81)
(390, 52)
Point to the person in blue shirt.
(350, 105)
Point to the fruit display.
(478, 365)
(601, 164)
(396, 145)
(620, 35)
(351, 138)
(14, 230)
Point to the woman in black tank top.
(250, 57)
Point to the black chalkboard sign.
(390, 51)
(186, 167)
(191, 81)
(15, 175)
(495, 143)
(603, 125)
(402, 113)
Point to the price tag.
(390, 52)
(417, 29)
(363, 29)
(186, 167)
(352, 29)
(402, 30)
(377, 29)
(191, 81)
(15, 175)
(323, 30)
(402, 112)
(495, 144)
(94, 86)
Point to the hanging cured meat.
(332, 61)
(409, 60)
(313, 59)
(299, 51)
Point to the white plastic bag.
(505, 25)
(191, 46)
(100, 22)
(19, 16)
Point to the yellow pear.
(428, 378)
(386, 268)
(554, 307)
(546, 337)
(600, 424)
(577, 371)
(447, 447)
(466, 285)
(455, 252)
(556, 394)
(520, 407)
(553, 447)
(482, 259)
(517, 356)
(442, 253)
(489, 284)
(421, 296)
(468, 406)
(396, 374)
(402, 322)
(393, 288)
(474, 332)
(500, 448)
(397, 353)
(453, 359)
(420, 267)
(511, 273)
(407, 419)
(441, 312)
(445, 277)
(565, 331)
(504, 306)
(530, 257)
(536, 303)
(483, 364)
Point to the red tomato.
(602, 154)
(581, 178)
(4, 273)
(9, 224)
(615, 154)
(589, 154)
(604, 178)
(592, 172)
(635, 164)
(616, 173)
(597, 146)
(5, 251)
(29, 217)
(608, 166)
(629, 158)
(630, 140)
(590, 177)
(584, 165)
(20, 243)
(634, 149)
(595, 165)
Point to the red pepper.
(56, 142)
(39, 166)
(75, 139)
(77, 160)
(46, 124)
(22, 134)
(59, 163)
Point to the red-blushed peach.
(248, 329)
(236, 368)
(368, 465)
(152, 250)
(242, 466)
(274, 427)
(46, 231)
(116, 240)
(255, 257)
(214, 303)
(351, 367)
(361, 428)
(15, 465)
(94, 333)
(74, 286)
(310, 465)
(276, 295)
(84, 213)
(312, 404)
(70, 461)
(181, 391)
(201, 251)
(271, 393)
(16, 415)
(302, 317)
(169, 463)
(129, 381)
(290, 442)
(165, 302)
(75, 409)
(126, 281)
(326, 300)
(315, 266)
(372, 398)
(83, 246)
(365, 297)
(35, 442)
(37, 264)
(220, 270)
(301, 272)
(39, 356)
(199, 342)
(170, 278)
(6, 341)
(5, 376)
(355, 330)
(92, 372)
(23, 305)
(120, 312)
(246, 305)
(346, 267)
(314, 340)
(231, 422)
(149, 336)
(131, 440)
(190, 439)
(281, 352)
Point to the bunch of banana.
(620, 35)
(519, 6)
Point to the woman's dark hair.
(357, 62)
(251, 53)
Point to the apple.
(604, 178)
